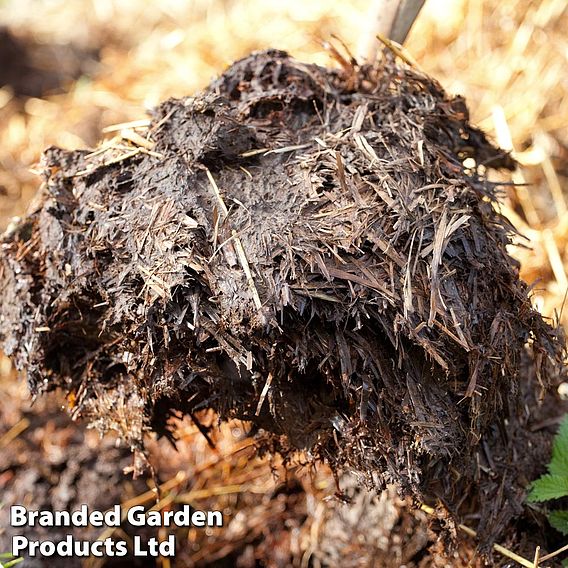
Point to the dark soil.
(35, 69)
(304, 249)
(56, 465)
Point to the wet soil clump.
(316, 251)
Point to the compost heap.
(305, 249)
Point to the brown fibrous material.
(316, 251)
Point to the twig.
(537, 557)
(237, 243)
(555, 553)
(14, 432)
(143, 123)
(217, 193)
(246, 269)
(398, 50)
(133, 136)
(263, 393)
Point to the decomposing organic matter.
(315, 251)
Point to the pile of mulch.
(315, 251)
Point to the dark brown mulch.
(315, 251)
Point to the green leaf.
(548, 487)
(12, 563)
(559, 463)
(559, 520)
(8, 560)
